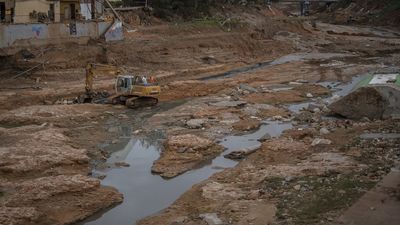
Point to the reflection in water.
(146, 194)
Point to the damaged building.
(37, 22)
(43, 11)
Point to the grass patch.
(310, 200)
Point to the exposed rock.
(211, 218)
(278, 117)
(309, 95)
(51, 178)
(248, 88)
(324, 131)
(195, 123)
(241, 154)
(184, 152)
(121, 164)
(316, 110)
(319, 141)
(247, 125)
(18, 215)
(312, 106)
(302, 81)
(373, 102)
(228, 103)
(264, 138)
(295, 83)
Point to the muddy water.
(338, 88)
(146, 194)
(282, 60)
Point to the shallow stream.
(146, 194)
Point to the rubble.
(319, 141)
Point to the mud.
(260, 90)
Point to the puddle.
(146, 194)
(282, 60)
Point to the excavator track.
(139, 102)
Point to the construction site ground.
(216, 83)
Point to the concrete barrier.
(24, 35)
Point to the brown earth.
(47, 150)
(184, 152)
(281, 173)
(44, 178)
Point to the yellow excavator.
(132, 90)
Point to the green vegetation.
(308, 200)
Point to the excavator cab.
(123, 84)
(136, 91)
(132, 90)
(137, 85)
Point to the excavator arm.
(95, 70)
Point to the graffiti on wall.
(37, 30)
(115, 32)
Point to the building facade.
(48, 11)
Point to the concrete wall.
(115, 32)
(23, 35)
